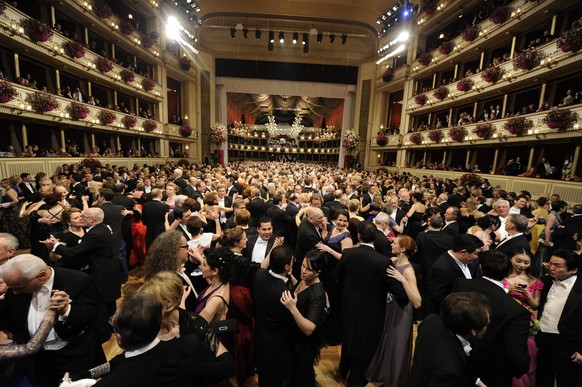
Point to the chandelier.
(296, 127)
(272, 126)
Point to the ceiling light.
(331, 38)
(319, 37)
(295, 37)
(271, 37)
(344, 38)
(130, 16)
(258, 34)
(233, 32)
(172, 28)
(305, 38)
(281, 37)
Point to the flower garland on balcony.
(420, 99)
(147, 42)
(571, 40)
(465, 84)
(103, 64)
(471, 180)
(457, 133)
(42, 101)
(102, 9)
(106, 117)
(387, 74)
(381, 139)
(185, 131)
(425, 58)
(126, 27)
(218, 133)
(470, 33)
(446, 47)
(499, 15)
(484, 130)
(492, 74)
(441, 93)
(527, 59)
(435, 135)
(558, 118)
(350, 139)
(7, 91)
(78, 111)
(149, 125)
(127, 76)
(74, 49)
(185, 63)
(415, 138)
(36, 30)
(129, 121)
(518, 125)
(91, 163)
(148, 84)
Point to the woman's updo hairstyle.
(221, 259)
(408, 244)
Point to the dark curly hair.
(221, 259)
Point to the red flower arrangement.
(126, 27)
(465, 84)
(435, 135)
(499, 15)
(415, 138)
(470, 33)
(185, 131)
(484, 130)
(441, 92)
(420, 99)
(106, 117)
(149, 125)
(518, 125)
(78, 111)
(387, 74)
(147, 42)
(129, 121)
(42, 101)
(7, 91)
(36, 30)
(570, 40)
(102, 9)
(147, 84)
(127, 76)
(457, 133)
(425, 58)
(185, 63)
(492, 74)
(471, 180)
(527, 59)
(558, 118)
(445, 47)
(381, 139)
(74, 49)
(103, 64)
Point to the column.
(468, 158)
(495, 157)
(221, 107)
(445, 156)
(92, 140)
(513, 42)
(575, 160)
(531, 157)
(63, 140)
(24, 135)
(347, 123)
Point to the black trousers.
(554, 362)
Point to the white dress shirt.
(464, 267)
(555, 302)
(259, 250)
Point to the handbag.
(224, 327)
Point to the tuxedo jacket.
(400, 213)
(519, 241)
(252, 241)
(307, 238)
(382, 244)
(94, 250)
(443, 206)
(256, 207)
(26, 192)
(189, 191)
(292, 209)
(231, 191)
(78, 191)
(452, 229)
(564, 237)
(113, 219)
(442, 277)
(502, 353)
(154, 217)
(181, 182)
(281, 221)
(143, 370)
(430, 245)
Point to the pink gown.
(528, 379)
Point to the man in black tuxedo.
(113, 217)
(308, 235)
(281, 219)
(443, 203)
(275, 328)
(293, 208)
(72, 345)
(451, 226)
(459, 262)
(256, 207)
(502, 353)
(560, 340)
(381, 243)
(362, 284)
(368, 198)
(351, 192)
(564, 237)
(336, 203)
(481, 206)
(179, 180)
(154, 216)
(515, 226)
(259, 245)
(28, 186)
(397, 212)
(77, 188)
(190, 189)
(188, 360)
(457, 198)
(128, 203)
(231, 189)
(441, 348)
(225, 204)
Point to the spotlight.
(305, 38)
(281, 37)
(319, 37)
(245, 32)
(331, 38)
(305, 43)
(258, 34)
(233, 32)
(295, 37)
(344, 38)
(271, 37)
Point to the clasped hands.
(50, 242)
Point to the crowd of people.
(254, 267)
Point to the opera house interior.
(448, 86)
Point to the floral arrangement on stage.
(74, 49)
(129, 121)
(492, 74)
(103, 64)
(527, 59)
(471, 180)
(7, 91)
(387, 74)
(106, 117)
(185, 63)
(558, 118)
(126, 27)
(149, 125)
(416, 138)
(218, 133)
(78, 111)
(518, 125)
(465, 84)
(42, 101)
(425, 58)
(571, 40)
(36, 30)
(420, 99)
(127, 76)
(381, 139)
(147, 84)
(499, 15)
(446, 47)
(186, 131)
(91, 163)
(470, 33)
(102, 9)
(441, 92)
(435, 135)
(484, 130)
(457, 133)
(350, 139)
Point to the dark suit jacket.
(230, 192)
(439, 358)
(281, 221)
(443, 206)
(442, 277)
(252, 240)
(143, 370)
(452, 229)
(456, 199)
(256, 207)
(292, 210)
(180, 182)
(399, 215)
(154, 216)
(78, 190)
(382, 244)
(113, 219)
(27, 193)
(274, 331)
(519, 241)
(307, 238)
(502, 353)
(94, 250)
(564, 237)
(429, 246)
(189, 191)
